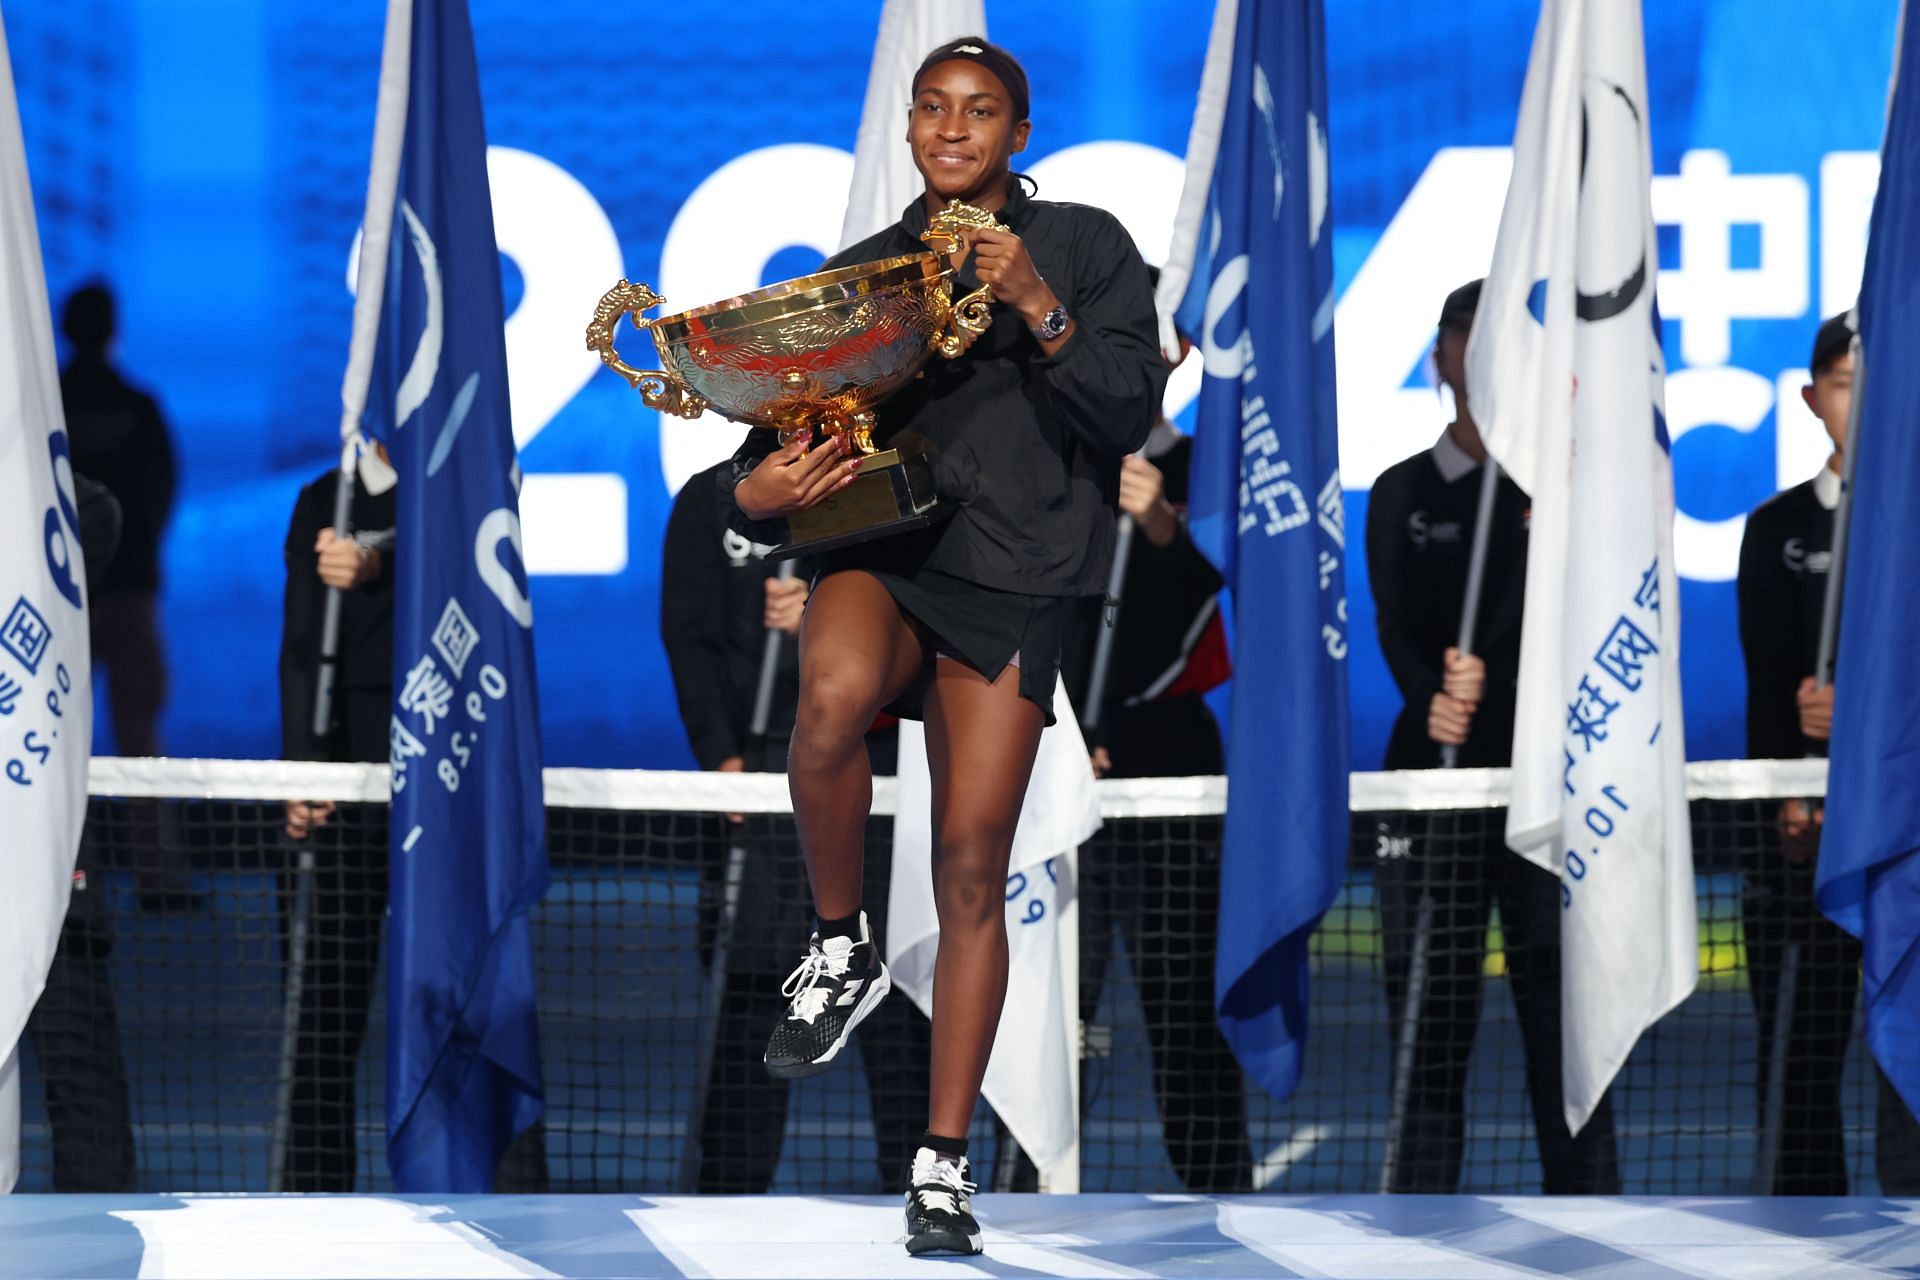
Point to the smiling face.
(963, 134)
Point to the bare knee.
(832, 716)
(970, 883)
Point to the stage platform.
(644, 1237)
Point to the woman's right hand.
(795, 477)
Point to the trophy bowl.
(815, 355)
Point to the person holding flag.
(1786, 558)
(467, 832)
(1567, 379)
(1867, 879)
(1422, 520)
(959, 625)
(1250, 275)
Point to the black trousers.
(76, 1036)
(745, 1118)
(1778, 911)
(344, 916)
(1460, 863)
(342, 920)
(1157, 885)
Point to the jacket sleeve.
(300, 630)
(1767, 640)
(1415, 671)
(693, 621)
(1181, 556)
(760, 442)
(1106, 380)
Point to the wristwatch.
(1051, 325)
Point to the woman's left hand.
(1000, 260)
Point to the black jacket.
(120, 440)
(1419, 541)
(1028, 446)
(366, 629)
(1784, 559)
(1168, 649)
(712, 612)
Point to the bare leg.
(857, 652)
(981, 741)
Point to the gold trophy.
(814, 355)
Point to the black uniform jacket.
(712, 621)
(1028, 446)
(1169, 648)
(1784, 559)
(366, 628)
(1419, 542)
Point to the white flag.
(884, 179)
(1032, 1082)
(46, 699)
(1566, 382)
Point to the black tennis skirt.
(984, 628)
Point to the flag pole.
(1476, 577)
(1103, 643)
(383, 179)
(383, 183)
(1773, 1118)
(1408, 1038)
(732, 885)
(1842, 517)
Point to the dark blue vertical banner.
(1265, 503)
(1869, 873)
(468, 844)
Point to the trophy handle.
(659, 389)
(966, 320)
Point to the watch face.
(1055, 322)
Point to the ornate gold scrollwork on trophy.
(659, 390)
(815, 355)
(970, 318)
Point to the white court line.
(1327, 1242)
(820, 1238)
(348, 1238)
(1280, 1161)
(1693, 1244)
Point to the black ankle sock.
(845, 927)
(955, 1147)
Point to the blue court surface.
(642, 1237)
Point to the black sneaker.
(839, 983)
(939, 1210)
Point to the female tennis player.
(959, 625)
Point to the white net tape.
(671, 791)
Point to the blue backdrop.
(210, 161)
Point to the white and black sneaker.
(939, 1207)
(841, 981)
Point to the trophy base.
(892, 493)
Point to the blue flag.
(1265, 504)
(468, 838)
(1869, 873)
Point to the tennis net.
(214, 1020)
